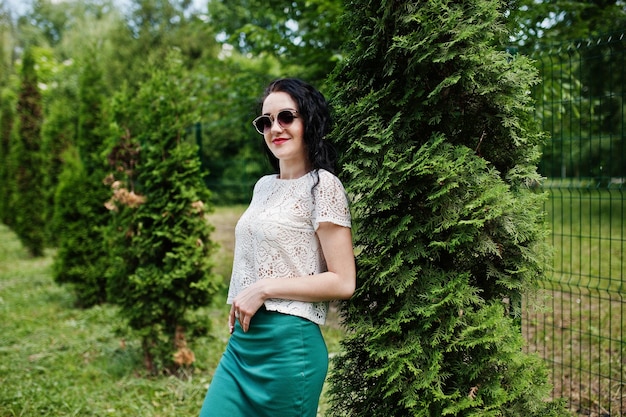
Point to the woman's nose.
(276, 126)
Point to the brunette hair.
(315, 113)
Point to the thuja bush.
(439, 152)
(80, 217)
(81, 259)
(58, 133)
(7, 112)
(27, 196)
(161, 269)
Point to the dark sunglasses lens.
(285, 118)
(263, 123)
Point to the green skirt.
(276, 369)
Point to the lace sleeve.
(331, 201)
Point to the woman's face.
(285, 142)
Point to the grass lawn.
(57, 360)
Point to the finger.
(231, 319)
(231, 316)
(245, 323)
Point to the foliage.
(7, 38)
(534, 22)
(27, 208)
(7, 110)
(58, 133)
(583, 110)
(576, 47)
(51, 19)
(439, 149)
(8, 96)
(152, 28)
(7, 106)
(80, 259)
(231, 150)
(80, 214)
(302, 34)
(160, 238)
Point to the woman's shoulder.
(328, 179)
(331, 201)
(265, 179)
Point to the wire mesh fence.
(576, 322)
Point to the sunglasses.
(264, 123)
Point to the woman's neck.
(293, 172)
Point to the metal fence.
(576, 322)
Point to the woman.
(293, 254)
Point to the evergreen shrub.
(27, 204)
(80, 260)
(7, 114)
(439, 150)
(80, 217)
(161, 267)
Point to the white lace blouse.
(275, 237)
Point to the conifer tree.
(80, 215)
(7, 111)
(439, 152)
(7, 108)
(58, 133)
(162, 246)
(27, 204)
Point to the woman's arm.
(338, 283)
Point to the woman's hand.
(245, 305)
